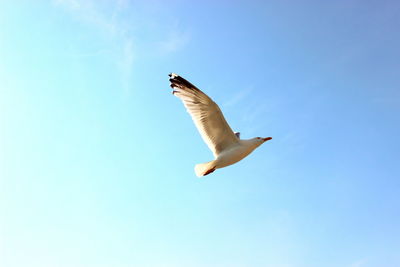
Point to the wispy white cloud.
(176, 38)
(106, 19)
(91, 12)
(237, 97)
(127, 31)
(126, 63)
(174, 42)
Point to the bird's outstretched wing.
(206, 115)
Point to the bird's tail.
(204, 169)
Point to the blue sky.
(97, 156)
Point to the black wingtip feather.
(178, 80)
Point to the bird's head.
(261, 140)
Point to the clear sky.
(97, 155)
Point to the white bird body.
(226, 145)
(235, 153)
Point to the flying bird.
(225, 144)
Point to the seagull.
(225, 144)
